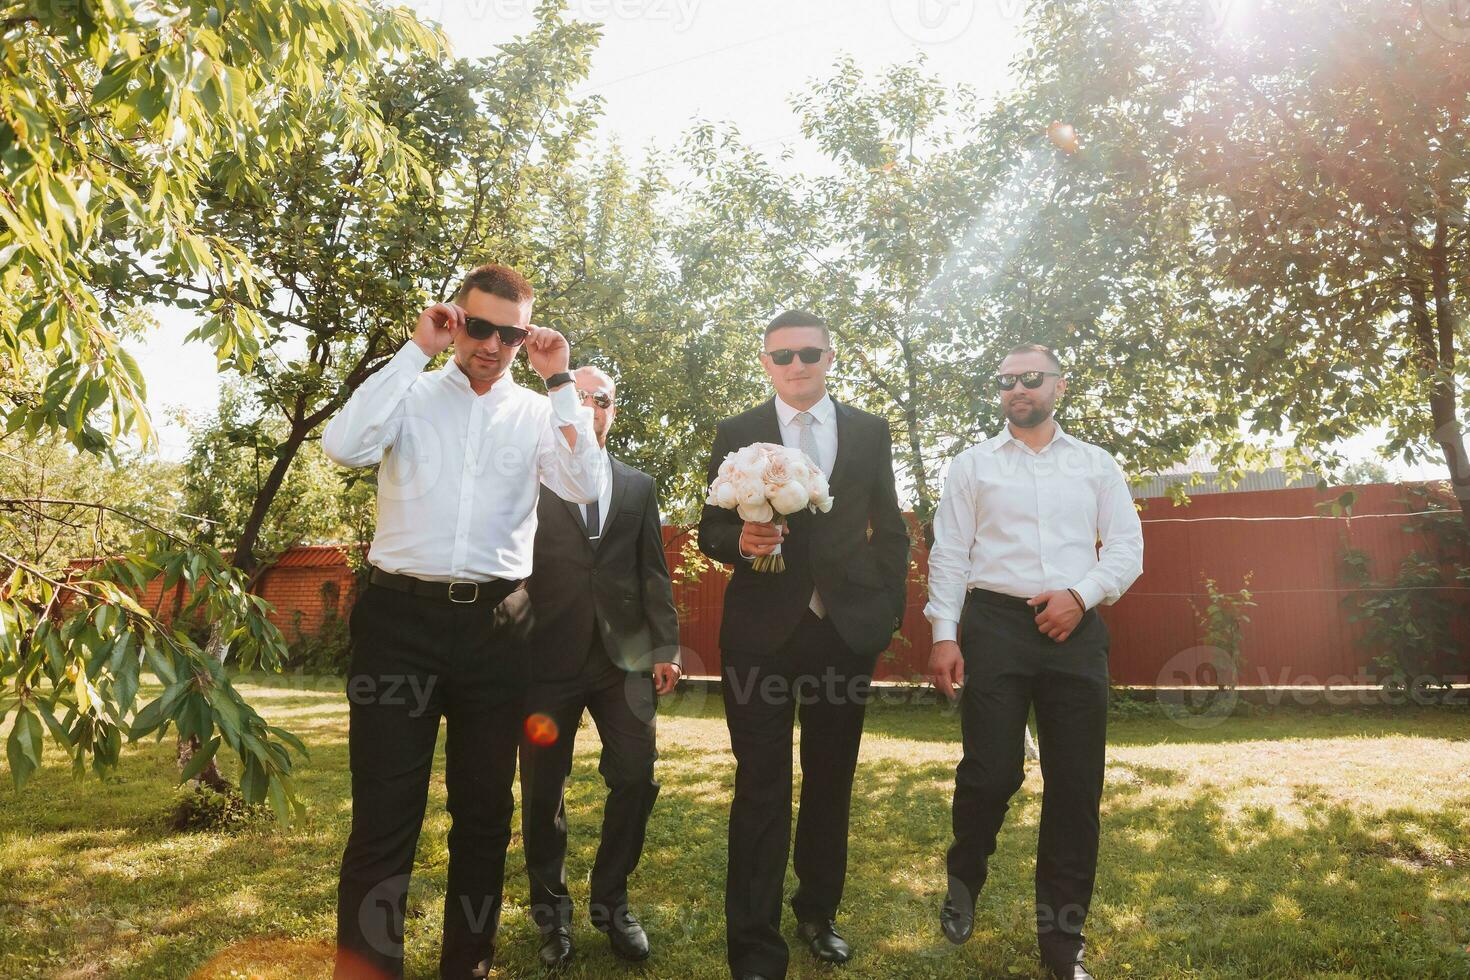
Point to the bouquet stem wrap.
(772, 562)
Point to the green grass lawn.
(1289, 844)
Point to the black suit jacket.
(618, 585)
(862, 577)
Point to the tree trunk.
(244, 559)
(1437, 347)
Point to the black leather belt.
(1001, 599)
(494, 591)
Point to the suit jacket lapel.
(578, 515)
(846, 437)
(769, 429)
(619, 491)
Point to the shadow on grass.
(1191, 884)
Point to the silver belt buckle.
(475, 594)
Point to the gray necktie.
(807, 441)
(594, 521)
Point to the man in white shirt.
(442, 627)
(1015, 577)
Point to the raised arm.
(568, 458)
(367, 424)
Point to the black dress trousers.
(414, 660)
(816, 677)
(622, 704)
(1010, 666)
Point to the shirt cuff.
(565, 406)
(1091, 593)
(945, 631)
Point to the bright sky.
(662, 65)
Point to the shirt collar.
(1004, 436)
(823, 411)
(451, 372)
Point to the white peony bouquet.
(765, 482)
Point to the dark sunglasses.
(1031, 379)
(599, 398)
(809, 355)
(481, 329)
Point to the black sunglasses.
(1031, 379)
(481, 329)
(808, 355)
(599, 398)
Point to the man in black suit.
(605, 639)
(803, 640)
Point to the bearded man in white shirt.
(1015, 578)
(442, 628)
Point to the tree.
(346, 252)
(1314, 162)
(110, 119)
(940, 239)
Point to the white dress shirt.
(460, 472)
(1023, 522)
(824, 430)
(604, 501)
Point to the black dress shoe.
(1065, 965)
(822, 939)
(627, 937)
(957, 920)
(556, 948)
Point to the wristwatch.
(558, 379)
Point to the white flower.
(778, 471)
(750, 491)
(825, 504)
(725, 496)
(759, 513)
(790, 498)
(750, 460)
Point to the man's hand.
(1061, 615)
(760, 538)
(947, 667)
(437, 328)
(666, 678)
(548, 351)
